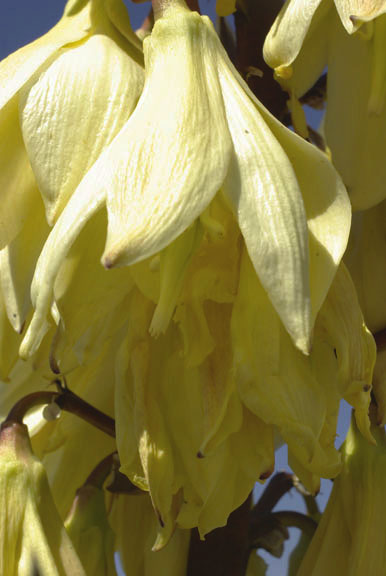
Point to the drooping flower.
(349, 38)
(163, 169)
(63, 98)
(191, 194)
(33, 538)
(229, 230)
(349, 539)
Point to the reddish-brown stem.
(225, 551)
(68, 401)
(253, 20)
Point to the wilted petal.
(170, 159)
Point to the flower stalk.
(66, 400)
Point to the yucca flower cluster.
(185, 269)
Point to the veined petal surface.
(17, 69)
(263, 189)
(170, 159)
(72, 109)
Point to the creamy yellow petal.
(87, 200)
(268, 203)
(354, 12)
(17, 264)
(285, 38)
(89, 299)
(342, 320)
(17, 69)
(58, 445)
(299, 54)
(118, 15)
(171, 157)
(17, 182)
(328, 210)
(174, 262)
(32, 535)
(355, 135)
(344, 540)
(72, 109)
(276, 381)
(135, 516)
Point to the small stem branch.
(281, 483)
(292, 519)
(66, 400)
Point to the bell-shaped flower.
(173, 155)
(350, 39)
(33, 538)
(62, 100)
(350, 538)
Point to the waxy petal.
(353, 12)
(85, 202)
(17, 69)
(17, 265)
(278, 383)
(342, 321)
(170, 159)
(72, 109)
(17, 181)
(268, 203)
(285, 38)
